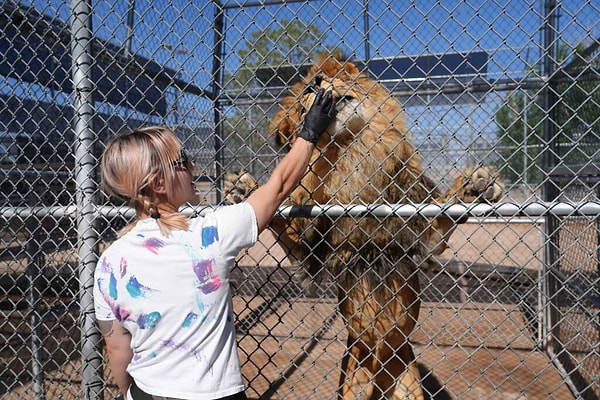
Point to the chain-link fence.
(509, 310)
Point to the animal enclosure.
(509, 310)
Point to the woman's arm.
(118, 345)
(268, 197)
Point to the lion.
(366, 157)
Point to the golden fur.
(366, 157)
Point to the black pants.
(139, 394)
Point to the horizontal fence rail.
(478, 210)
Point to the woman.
(162, 295)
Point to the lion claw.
(238, 186)
(479, 184)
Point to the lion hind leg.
(397, 374)
(408, 384)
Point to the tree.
(292, 44)
(520, 134)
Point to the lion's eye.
(346, 98)
(309, 89)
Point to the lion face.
(363, 103)
(350, 116)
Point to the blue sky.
(509, 30)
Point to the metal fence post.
(549, 160)
(217, 78)
(34, 269)
(81, 50)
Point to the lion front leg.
(475, 185)
(238, 186)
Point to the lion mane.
(367, 159)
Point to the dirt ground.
(465, 349)
(470, 344)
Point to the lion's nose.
(343, 101)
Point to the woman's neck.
(161, 209)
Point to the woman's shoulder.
(143, 230)
(116, 246)
(227, 220)
(236, 213)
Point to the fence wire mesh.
(509, 310)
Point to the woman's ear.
(159, 187)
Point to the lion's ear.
(281, 128)
(284, 123)
(351, 68)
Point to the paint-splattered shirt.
(173, 295)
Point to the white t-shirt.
(173, 295)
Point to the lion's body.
(367, 158)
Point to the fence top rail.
(476, 210)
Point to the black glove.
(318, 118)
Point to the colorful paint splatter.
(208, 282)
(136, 289)
(153, 244)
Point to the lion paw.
(480, 184)
(238, 186)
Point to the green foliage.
(576, 118)
(289, 43)
(520, 117)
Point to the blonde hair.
(137, 163)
